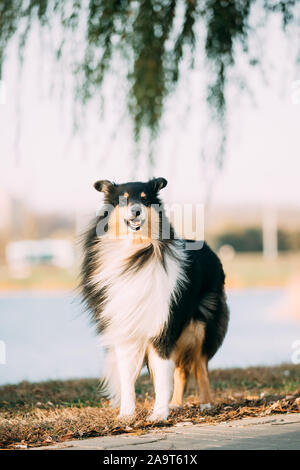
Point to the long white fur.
(137, 309)
(162, 372)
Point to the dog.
(154, 301)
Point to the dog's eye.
(143, 197)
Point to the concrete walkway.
(273, 432)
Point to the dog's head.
(134, 208)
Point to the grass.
(49, 412)
(253, 270)
(50, 278)
(244, 270)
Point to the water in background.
(49, 337)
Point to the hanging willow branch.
(147, 35)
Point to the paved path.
(273, 432)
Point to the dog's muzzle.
(135, 218)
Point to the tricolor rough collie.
(154, 298)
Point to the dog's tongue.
(135, 222)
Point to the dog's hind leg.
(186, 356)
(161, 372)
(201, 374)
(180, 379)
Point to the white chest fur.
(137, 301)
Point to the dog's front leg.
(128, 367)
(162, 372)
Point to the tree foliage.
(152, 35)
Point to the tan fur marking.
(180, 379)
(188, 358)
(143, 194)
(117, 229)
(126, 195)
(189, 344)
(203, 380)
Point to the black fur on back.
(202, 299)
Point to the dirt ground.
(57, 411)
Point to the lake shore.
(244, 270)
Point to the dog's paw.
(175, 406)
(158, 416)
(125, 416)
(205, 406)
(126, 413)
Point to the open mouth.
(135, 223)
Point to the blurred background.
(240, 159)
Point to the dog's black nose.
(136, 210)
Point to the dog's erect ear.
(104, 186)
(158, 183)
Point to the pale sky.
(51, 169)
